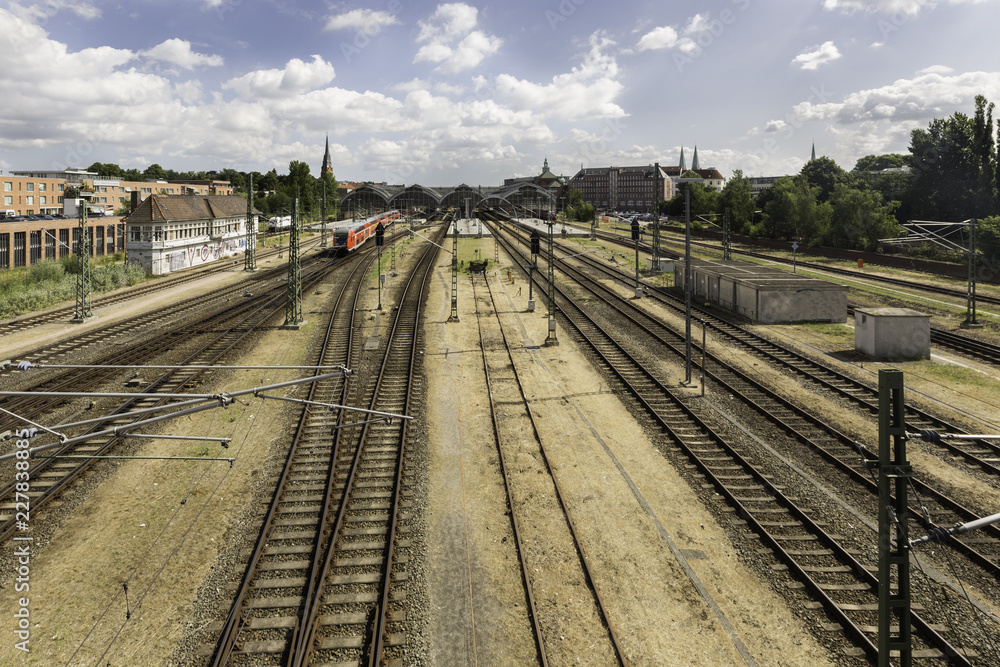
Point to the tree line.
(951, 173)
(273, 193)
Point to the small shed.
(892, 333)
(766, 294)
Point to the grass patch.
(47, 283)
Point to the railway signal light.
(379, 235)
(536, 243)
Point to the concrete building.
(168, 233)
(892, 333)
(764, 294)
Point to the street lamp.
(687, 276)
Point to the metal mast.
(454, 275)
(322, 235)
(551, 338)
(727, 249)
(655, 262)
(83, 296)
(970, 302)
(894, 472)
(293, 302)
(250, 257)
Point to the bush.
(46, 271)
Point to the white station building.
(168, 233)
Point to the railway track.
(836, 578)
(504, 387)
(984, 454)
(321, 585)
(55, 471)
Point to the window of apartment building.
(121, 188)
(30, 201)
(8, 200)
(61, 187)
(60, 200)
(41, 187)
(8, 186)
(30, 187)
(41, 201)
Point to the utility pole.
(635, 238)
(293, 302)
(84, 307)
(250, 256)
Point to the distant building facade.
(623, 188)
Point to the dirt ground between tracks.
(476, 604)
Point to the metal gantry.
(293, 301)
(250, 257)
(84, 305)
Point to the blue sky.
(475, 92)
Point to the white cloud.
(823, 54)
(685, 39)
(930, 94)
(366, 20)
(41, 12)
(888, 6)
(178, 52)
(296, 78)
(936, 69)
(586, 92)
(444, 28)
(663, 37)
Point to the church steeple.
(327, 162)
(694, 161)
(814, 152)
(683, 162)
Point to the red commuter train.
(347, 238)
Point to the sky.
(475, 92)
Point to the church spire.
(327, 162)
(814, 152)
(683, 162)
(694, 161)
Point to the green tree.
(155, 171)
(107, 170)
(300, 183)
(795, 212)
(269, 182)
(737, 197)
(859, 218)
(870, 163)
(950, 181)
(328, 182)
(824, 173)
